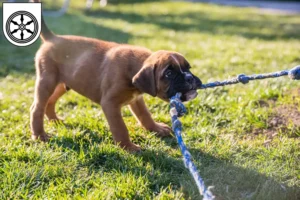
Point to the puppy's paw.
(44, 137)
(56, 120)
(161, 129)
(131, 147)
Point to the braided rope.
(178, 110)
(293, 73)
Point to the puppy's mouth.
(190, 95)
(188, 90)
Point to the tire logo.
(22, 27)
(21, 22)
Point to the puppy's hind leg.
(50, 109)
(45, 84)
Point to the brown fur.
(110, 74)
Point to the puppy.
(110, 74)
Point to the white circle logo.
(21, 22)
(22, 27)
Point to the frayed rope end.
(208, 194)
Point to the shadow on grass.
(20, 60)
(204, 23)
(86, 137)
(234, 182)
(230, 181)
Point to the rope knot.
(176, 125)
(178, 105)
(295, 73)
(242, 78)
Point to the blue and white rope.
(242, 78)
(178, 110)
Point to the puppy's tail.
(46, 34)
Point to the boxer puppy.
(110, 74)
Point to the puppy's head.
(164, 74)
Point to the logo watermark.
(22, 22)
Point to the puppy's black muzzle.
(192, 80)
(186, 84)
(198, 82)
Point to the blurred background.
(194, 28)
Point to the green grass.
(81, 162)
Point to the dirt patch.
(284, 119)
(288, 115)
(265, 103)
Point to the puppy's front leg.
(117, 126)
(143, 116)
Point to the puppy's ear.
(144, 80)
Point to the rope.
(293, 73)
(178, 110)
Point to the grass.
(81, 162)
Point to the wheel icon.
(22, 27)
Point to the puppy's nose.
(189, 78)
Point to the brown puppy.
(110, 74)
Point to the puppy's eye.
(169, 73)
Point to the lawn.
(245, 139)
